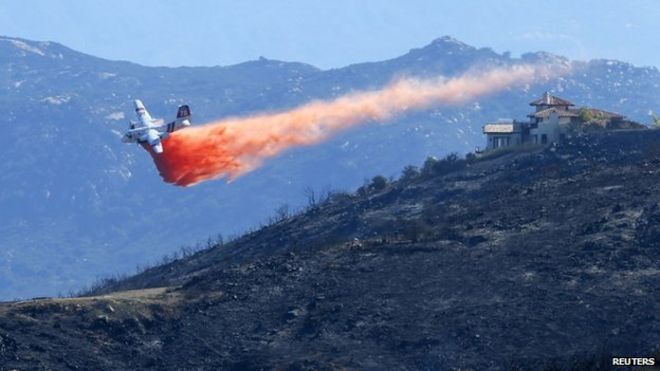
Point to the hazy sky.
(334, 33)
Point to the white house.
(550, 122)
(504, 134)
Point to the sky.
(331, 34)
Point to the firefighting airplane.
(154, 131)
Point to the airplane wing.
(138, 130)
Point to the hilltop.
(531, 258)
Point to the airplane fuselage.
(150, 131)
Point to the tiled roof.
(546, 112)
(598, 113)
(550, 100)
(498, 128)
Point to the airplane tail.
(182, 119)
(183, 112)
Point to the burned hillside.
(530, 257)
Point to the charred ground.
(529, 259)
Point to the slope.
(528, 259)
(77, 203)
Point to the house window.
(544, 139)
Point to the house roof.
(550, 100)
(546, 112)
(499, 128)
(599, 113)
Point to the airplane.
(153, 131)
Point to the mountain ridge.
(78, 203)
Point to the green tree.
(656, 121)
(378, 183)
(429, 165)
(585, 115)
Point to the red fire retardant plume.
(234, 146)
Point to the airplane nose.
(138, 104)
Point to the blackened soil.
(539, 258)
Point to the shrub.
(452, 162)
(585, 115)
(409, 173)
(429, 165)
(656, 121)
(339, 196)
(378, 183)
(282, 213)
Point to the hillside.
(77, 203)
(534, 258)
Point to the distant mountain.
(531, 259)
(77, 203)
